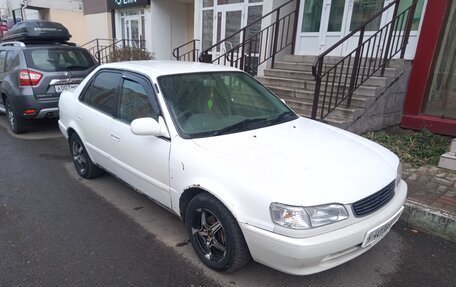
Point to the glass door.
(359, 12)
(133, 26)
(324, 22)
(322, 25)
(229, 20)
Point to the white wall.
(168, 27)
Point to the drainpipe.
(24, 6)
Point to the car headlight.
(297, 217)
(399, 174)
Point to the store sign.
(119, 4)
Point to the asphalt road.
(57, 229)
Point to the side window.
(102, 93)
(133, 102)
(3, 61)
(9, 64)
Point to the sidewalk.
(431, 200)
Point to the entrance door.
(133, 28)
(229, 19)
(324, 22)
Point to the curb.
(429, 220)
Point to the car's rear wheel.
(15, 122)
(215, 234)
(82, 162)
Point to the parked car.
(249, 177)
(35, 67)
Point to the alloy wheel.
(79, 156)
(209, 235)
(11, 118)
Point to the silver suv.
(33, 74)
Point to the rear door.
(59, 68)
(95, 113)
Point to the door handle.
(78, 118)
(116, 138)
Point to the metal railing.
(104, 50)
(336, 84)
(187, 51)
(253, 45)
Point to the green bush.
(130, 54)
(417, 148)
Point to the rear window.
(58, 59)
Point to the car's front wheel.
(215, 234)
(82, 162)
(14, 121)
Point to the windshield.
(58, 59)
(210, 104)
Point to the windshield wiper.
(238, 126)
(288, 115)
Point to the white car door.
(94, 115)
(141, 161)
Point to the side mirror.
(149, 127)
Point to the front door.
(324, 22)
(140, 161)
(229, 19)
(133, 28)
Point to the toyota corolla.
(249, 177)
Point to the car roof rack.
(39, 32)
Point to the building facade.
(431, 97)
(67, 12)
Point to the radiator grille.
(375, 201)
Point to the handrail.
(338, 82)
(193, 52)
(103, 52)
(258, 47)
(96, 40)
(248, 26)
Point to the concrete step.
(393, 63)
(358, 101)
(310, 86)
(307, 67)
(302, 75)
(340, 111)
(448, 161)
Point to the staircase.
(357, 91)
(292, 80)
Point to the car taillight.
(29, 78)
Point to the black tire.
(15, 122)
(219, 243)
(81, 159)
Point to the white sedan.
(249, 177)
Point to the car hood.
(301, 162)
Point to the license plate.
(62, 88)
(378, 232)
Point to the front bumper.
(302, 256)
